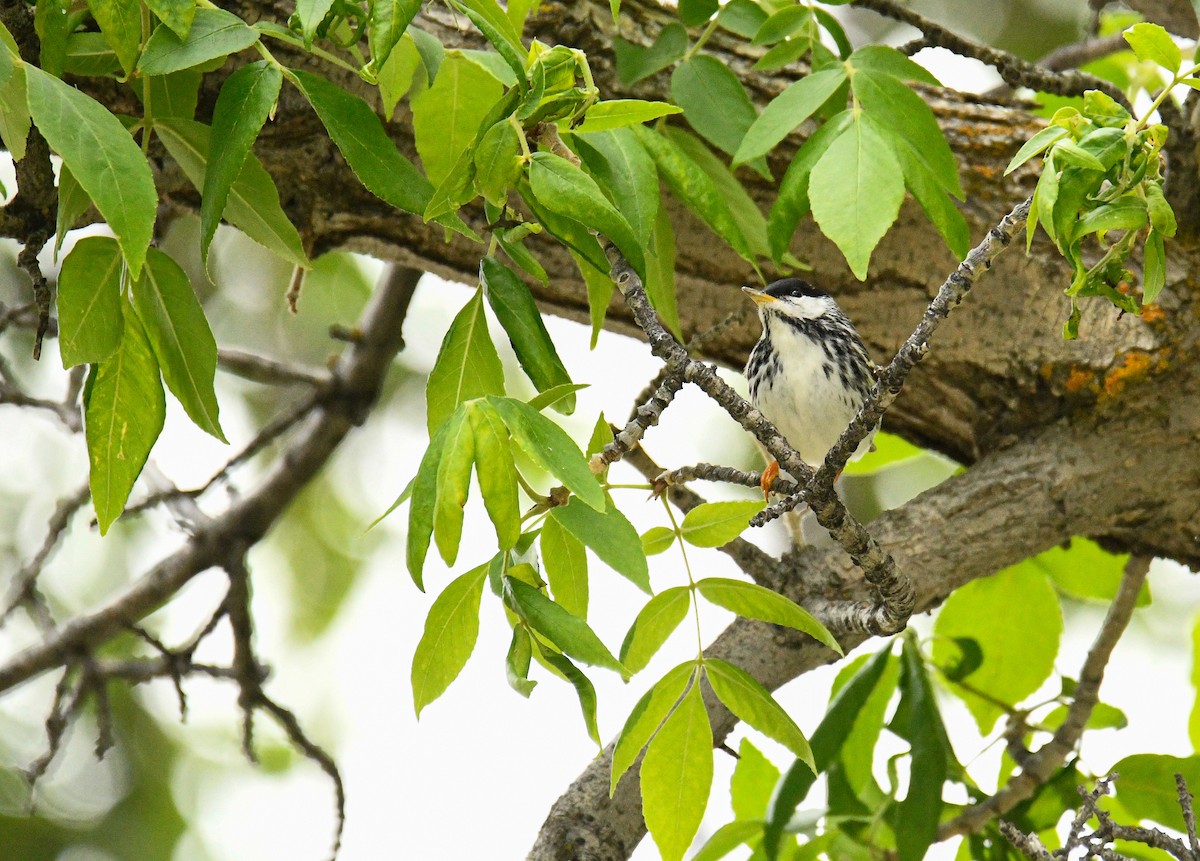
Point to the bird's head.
(792, 297)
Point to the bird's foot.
(768, 478)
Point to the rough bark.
(1097, 437)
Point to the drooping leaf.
(214, 33)
(565, 630)
(677, 777)
(253, 204)
(123, 415)
(1035, 146)
(453, 484)
(180, 336)
(121, 25)
(565, 565)
(496, 473)
(517, 312)
(423, 506)
(246, 99)
(551, 448)
(646, 718)
(14, 103)
(467, 365)
(752, 784)
(311, 13)
(563, 188)
(1086, 571)
(516, 662)
(714, 524)
(90, 56)
(388, 21)
(398, 73)
(792, 203)
(1154, 267)
(498, 29)
(90, 320)
(622, 166)
(889, 61)
(584, 690)
(856, 189)
(451, 629)
(609, 535)
(447, 116)
(368, 150)
(787, 111)
(497, 162)
(729, 836)
(758, 602)
(653, 625)
(102, 157)
(751, 702)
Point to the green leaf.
(715, 524)
(758, 602)
(1162, 217)
(565, 630)
(745, 211)
(517, 312)
(791, 204)
(647, 716)
(246, 99)
(1151, 42)
(179, 334)
(516, 662)
(1085, 570)
(660, 273)
(1146, 788)
(451, 629)
(657, 539)
(311, 13)
(784, 23)
(729, 836)
(653, 625)
(1035, 145)
(176, 14)
(214, 33)
(467, 365)
(497, 29)
(688, 182)
(563, 188)
(1125, 213)
(368, 150)
(253, 203)
(931, 194)
(173, 95)
(453, 484)
(1154, 267)
(72, 203)
(388, 19)
(52, 24)
(677, 776)
(696, 12)
(827, 741)
(551, 448)
(121, 24)
(123, 413)
(14, 103)
(635, 62)
(603, 116)
(102, 157)
(919, 722)
(584, 689)
(565, 565)
(788, 110)
(496, 472)
(551, 396)
(908, 124)
(599, 293)
(497, 162)
(90, 56)
(609, 535)
(742, 17)
(753, 704)
(714, 102)
(90, 320)
(856, 189)
(621, 165)
(1033, 633)
(1193, 725)
(397, 75)
(784, 54)
(575, 235)
(752, 784)
(447, 116)
(424, 505)
(886, 60)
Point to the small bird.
(809, 373)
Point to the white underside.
(814, 410)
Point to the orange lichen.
(1153, 313)
(1078, 379)
(1132, 366)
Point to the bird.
(809, 373)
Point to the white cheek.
(809, 307)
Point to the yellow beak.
(759, 297)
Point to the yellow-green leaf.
(451, 629)
(677, 777)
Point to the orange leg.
(768, 478)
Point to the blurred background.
(338, 617)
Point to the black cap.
(792, 287)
